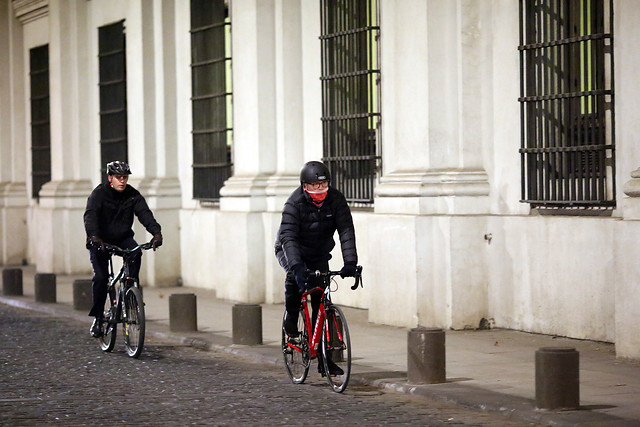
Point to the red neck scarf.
(318, 196)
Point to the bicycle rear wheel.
(133, 322)
(336, 349)
(109, 327)
(296, 351)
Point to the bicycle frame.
(315, 337)
(122, 275)
(327, 340)
(125, 303)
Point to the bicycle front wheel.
(133, 322)
(109, 327)
(296, 351)
(336, 349)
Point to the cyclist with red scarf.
(310, 218)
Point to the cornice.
(30, 10)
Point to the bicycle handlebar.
(119, 251)
(330, 274)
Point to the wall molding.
(30, 10)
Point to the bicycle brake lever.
(358, 278)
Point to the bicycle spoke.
(336, 349)
(108, 339)
(296, 352)
(134, 322)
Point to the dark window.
(40, 125)
(567, 103)
(351, 95)
(211, 101)
(113, 94)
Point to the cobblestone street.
(52, 372)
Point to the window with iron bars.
(113, 94)
(351, 95)
(211, 97)
(40, 119)
(567, 103)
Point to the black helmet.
(314, 171)
(118, 168)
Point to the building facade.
(488, 148)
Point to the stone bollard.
(183, 315)
(557, 378)
(12, 281)
(426, 356)
(82, 295)
(45, 287)
(247, 324)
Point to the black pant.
(100, 263)
(292, 293)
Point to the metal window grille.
(351, 95)
(113, 94)
(40, 120)
(567, 103)
(211, 101)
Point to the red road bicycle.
(329, 339)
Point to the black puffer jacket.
(109, 213)
(306, 231)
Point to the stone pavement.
(492, 370)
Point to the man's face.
(317, 186)
(118, 182)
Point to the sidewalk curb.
(465, 395)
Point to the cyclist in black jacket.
(108, 218)
(310, 218)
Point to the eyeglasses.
(318, 185)
(121, 177)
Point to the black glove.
(300, 272)
(97, 242)
(349, 270)
(156, 241)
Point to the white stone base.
(13, 223)
(627, 297)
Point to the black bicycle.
(124, 304)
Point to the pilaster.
(13, 222)
(254, 106)
(163, 195)
(434, 188)
(434, 161)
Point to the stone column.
(56, 227)
(627, 235)
(432, 134)
(153, 136)
(627, 268)
(273, 88)
(254, 106)
(13, 190)
(298, 127)
(436, 109)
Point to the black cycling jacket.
(306, 230)
(109, 213)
